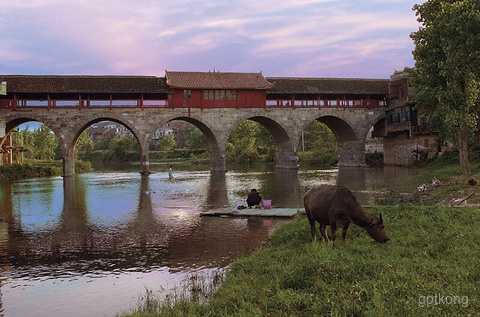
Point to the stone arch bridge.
(350, 126)
(285, 107)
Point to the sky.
(297, 38)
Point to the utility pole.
(303, 143)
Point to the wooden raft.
(255, 212)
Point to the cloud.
(147, 36)
(8, 53)
(25, 4)
(310, 34)
(269, 6)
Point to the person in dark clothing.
(254, 198)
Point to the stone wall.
(401, 150)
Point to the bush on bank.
(39, 168)
(433, 251)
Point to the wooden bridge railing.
(326, 103)
(168, 103)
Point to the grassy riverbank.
(433, 251)
(453, 184)
(39, 168)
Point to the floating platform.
(255, 212)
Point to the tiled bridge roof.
(67, 84)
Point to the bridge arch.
(351, 146)
(341, 129)
(285, 151)
(217, 151)
(69, 142)
(14, 122)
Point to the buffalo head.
(376, 230)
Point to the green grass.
(443, 173)
(433, 250)
(453, 183)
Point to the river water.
(90, 245)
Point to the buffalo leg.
(311, 220)
(344, 232)
(333, 229)
(322, 231)
(312, 228)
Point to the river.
(91, 245)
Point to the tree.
(84, 146)
(318, 137)
(25, 139)
(242, 142)
(168, 142)
(447, 68)
(45, 143)
(320, 145)
(264, 142)
(194, 138)
(123, 149)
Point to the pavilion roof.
(216, 80)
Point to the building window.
(187, 94)
(219, 95)
(231, 94)
(208, 94)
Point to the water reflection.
(217, 196)
(8, 226)
(86, 235)
(158, 228)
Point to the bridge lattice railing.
(168, 103)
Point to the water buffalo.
(332, 205)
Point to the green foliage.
(26, 141)
(318, 137)
(168, 142)
(241, 146)
(39, 168)
(250, 140)
(374, 159)
(123, 149)
(447, 158)
(194, 138)
(45, 143)
(176, 153)
(431, 251)
(84, 147)
(318, 158)
(82, 166)
(39, 144)
(320, 146)
(270, 155)
(447, 68)
(263, 140)
(17, 171)
(103, 144)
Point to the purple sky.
(298, 38)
